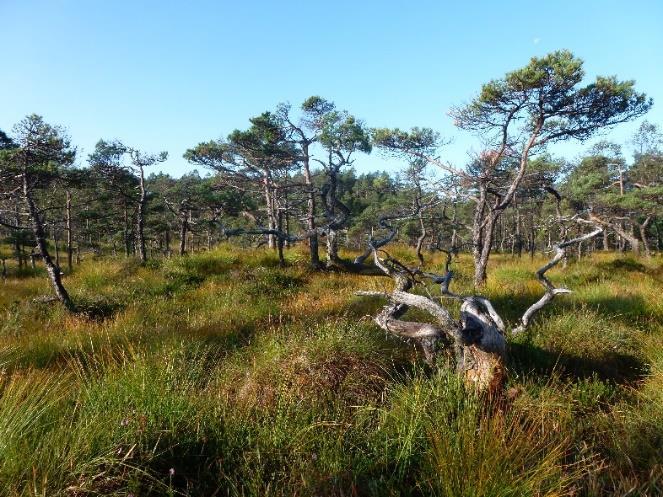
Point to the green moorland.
(222, 374)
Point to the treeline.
(288, 178)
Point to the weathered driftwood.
(479, 337)
(550, 290)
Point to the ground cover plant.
(223, 373)
(283, 325)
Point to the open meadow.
(331, 249)
(221, 373)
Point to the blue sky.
(165, 75)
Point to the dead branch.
(478, 339)
(550, 290)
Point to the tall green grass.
(223, 374)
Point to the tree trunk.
(167, 242)
(183, 232)
(17, 238)
(519, 234)
(127, 238)
(40, 238)
(269, 207)
(477, 240)
(280, 240)
(140, 218)
(482, 250)
(332, 247)
(332, 232)
(481, 357)
(284, 214)
(479, 343)
(503, 234)
(422, 237)
(310, 211)
(454, 232)
(57, 248)
(70, 248)
(643, 235)
(621, 232)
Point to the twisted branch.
(550, 290)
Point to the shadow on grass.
(362, 307)
(118, 349)
(27, 272)
(627, 264)
(220, 337)
(626, 309)
(623, 369)
(98, 308)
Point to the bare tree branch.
(550, 290)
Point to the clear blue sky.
(165, 75)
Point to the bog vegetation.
(222, 373)
(488, 329)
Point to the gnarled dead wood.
(550, 290)
(477, 340)
(385, 223)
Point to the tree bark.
(269, 206)
(140, 218)
(310, 210)
(477, 239)
(184, 225)
(330, 207)
(56, 247)
(70, 248)
(478, 340)
(482, 254)
(643, 235)
(17, 238)
(280, 240)
(167, 242)
(40, 238)
(619, 229)
(422, 237)
(454, 232)
(127, 238)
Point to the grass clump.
(223, 373)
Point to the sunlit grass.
(245, 378)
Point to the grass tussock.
(222, 373)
